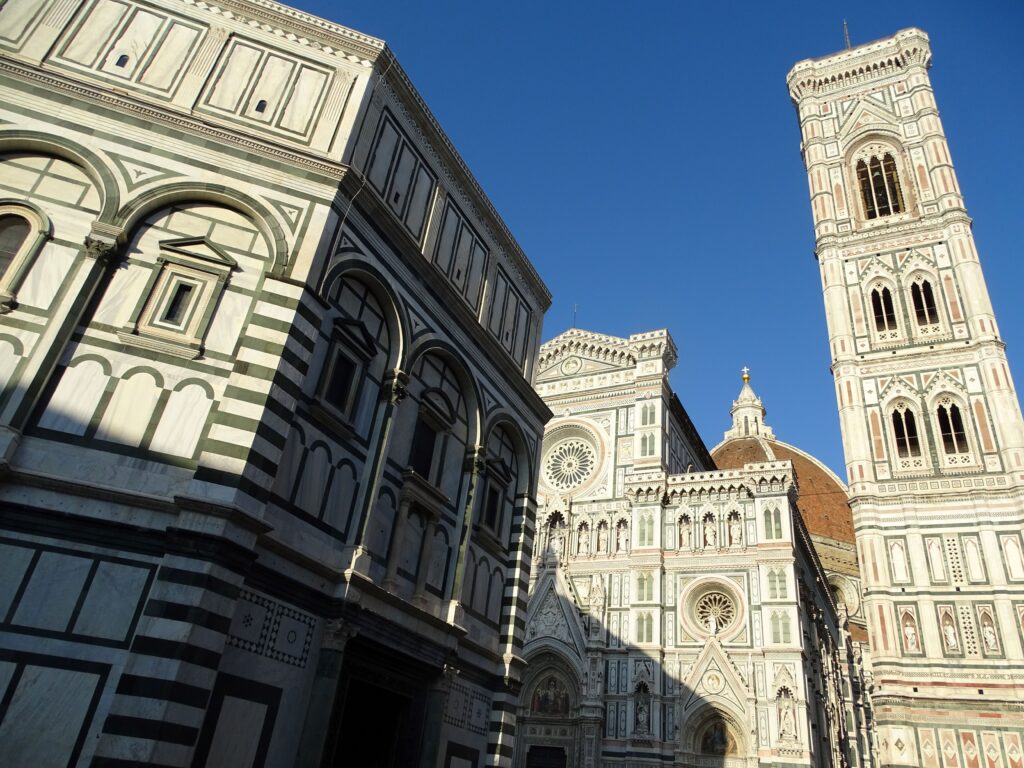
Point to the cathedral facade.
(679, 613)
(267, 430)
(930, 418)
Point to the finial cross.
(746, 372)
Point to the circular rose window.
(715, 612)
(570, 464)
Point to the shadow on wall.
(590, 698)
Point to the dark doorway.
(373, 727)
(381, 710)
(545, 757)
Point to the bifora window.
(904, 427)
(882, 308)
(951, 427)
(880, 186)
(924, 303)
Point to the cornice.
(852, 67)
(41, 81)
(925, 228)
(297, 26)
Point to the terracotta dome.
(822, 500)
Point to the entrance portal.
(545, 757)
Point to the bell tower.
(931, 424)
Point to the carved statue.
(602, 538)
(988, 635)
(684, 533)
(642, 718)
(949, 634)
(583, 545)
(735, 532)
(910, 634)
(710, 535)
(787, 718)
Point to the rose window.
(715, 611)
(570, 464)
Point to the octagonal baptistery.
(822, 500)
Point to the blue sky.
(646, 156)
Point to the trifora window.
(880, 186)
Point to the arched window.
(924, 303)
(768, 524)
(781, 582)
(904, 427)
(880, 186)
(773, 585)
(772, 524)
(776, 629)
(882, 308)
(14, 231)
(951, 427)
(20, 239)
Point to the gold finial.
(746, 374)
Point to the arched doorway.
(548, 722)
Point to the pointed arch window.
(951, 427)
(904, 427)
(924, 303)
(880, 188)
(772, 524)
(883, 310)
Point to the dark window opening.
(924, 303)
(883, 310)
(421, 455)
(261, 106)
(176, 307)
(122, 61)
(492, 509)
(880, 187)
(904, 426)
(340, 382)
(13, 233)
(951, 426)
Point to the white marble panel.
(130, 409)
(8, 360)
(45, 716)
(75, 399)
(229, 317)
(14, 562)
(182, 422)
(113, 598)
(52, 592)
(122, 295)
(46, 276)
(236, 738)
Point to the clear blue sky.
(646, 156)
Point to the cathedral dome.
(823, 501)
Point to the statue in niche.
(684, 532)
(787, 717)
(710, 534)
(910, 633)
(583, 545)
(621, 537)
(602, 537)
(642, 725)
(712, 625)
(988, 633)
(735, 532)
(949, 633)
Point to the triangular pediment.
(875, 267)
(867, 115)
(577, 365)
(914, 260)
(198, 248)
(552, 617)
(713, 678)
